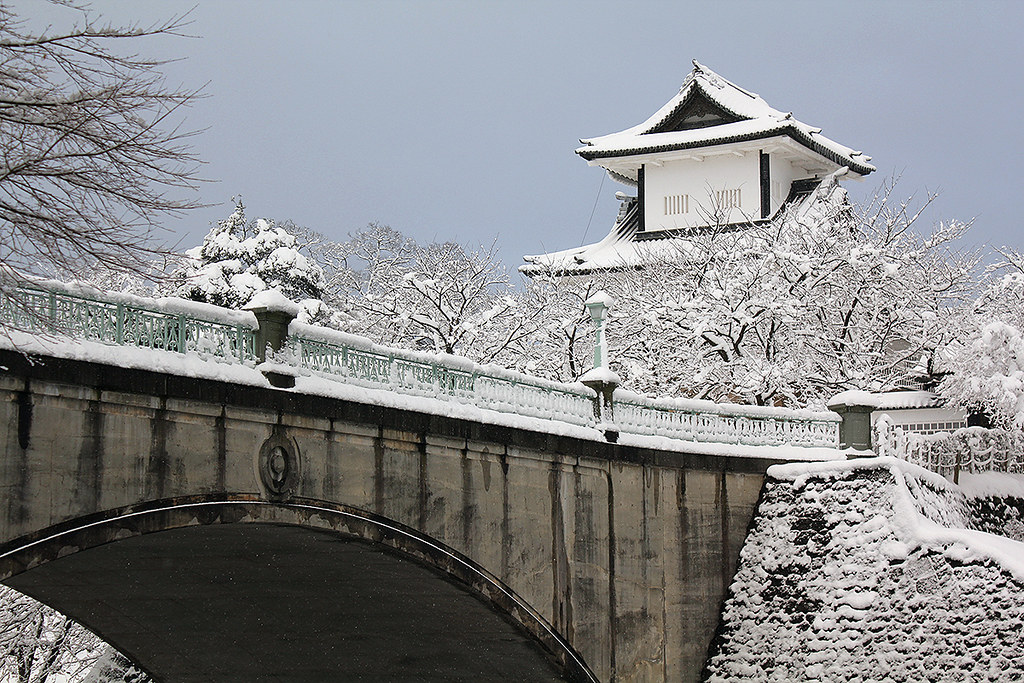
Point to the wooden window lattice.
(727, 199)
(676, 204)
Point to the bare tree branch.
(92, 152)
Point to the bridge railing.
(124, 320)
(357, 361)
(174, 325)
(704, 421)
(968, 449)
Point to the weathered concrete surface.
(624, 552)
(202, 603)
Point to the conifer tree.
(238, 259)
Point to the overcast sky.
(458, 120)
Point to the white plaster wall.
(782, 176)
(698, 179)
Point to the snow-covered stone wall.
(876, 570)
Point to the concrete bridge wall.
(625, 552)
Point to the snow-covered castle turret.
(714, 155)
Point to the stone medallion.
(279, 466)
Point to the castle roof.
(626, 248)
(710, 110)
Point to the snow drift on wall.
(875, 570)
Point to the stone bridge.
(212, 530)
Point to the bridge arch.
(346, 595)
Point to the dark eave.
(789, 130)
(696, 97)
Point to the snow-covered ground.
(877, 570)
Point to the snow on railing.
(176, 325)
(968, 449)
(356, 360)
(81, 312)
(696, 420)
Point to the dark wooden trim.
(766, 184)
(696, 102)
(642, 218)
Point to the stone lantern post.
(600, 378)
(274, 312)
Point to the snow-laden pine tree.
(238, 259)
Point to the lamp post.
(601, 379)
(598, 306)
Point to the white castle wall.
(782, 174)
(687, 193)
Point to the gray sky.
(458, 120)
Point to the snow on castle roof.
(622, 250)
(710, 110)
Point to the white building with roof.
(714, 156)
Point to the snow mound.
(874, 570)
(272, 300)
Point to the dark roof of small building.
(710, 110)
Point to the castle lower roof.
(625, 247)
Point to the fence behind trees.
(969, 449)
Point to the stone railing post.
(601, 379)
(274, 312)
(855, 408)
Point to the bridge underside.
(251, 602)
(614, 558)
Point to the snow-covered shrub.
(238, 259)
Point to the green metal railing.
(377, 368)
(184, 327)
(52, 311)
(639, 416)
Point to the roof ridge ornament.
(710, 76)
(688, 80)
(717, 80)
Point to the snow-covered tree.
(238, 259)
(41, 645)
(983, 365)
(558, 339)
(789, 312)
(440, 297)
